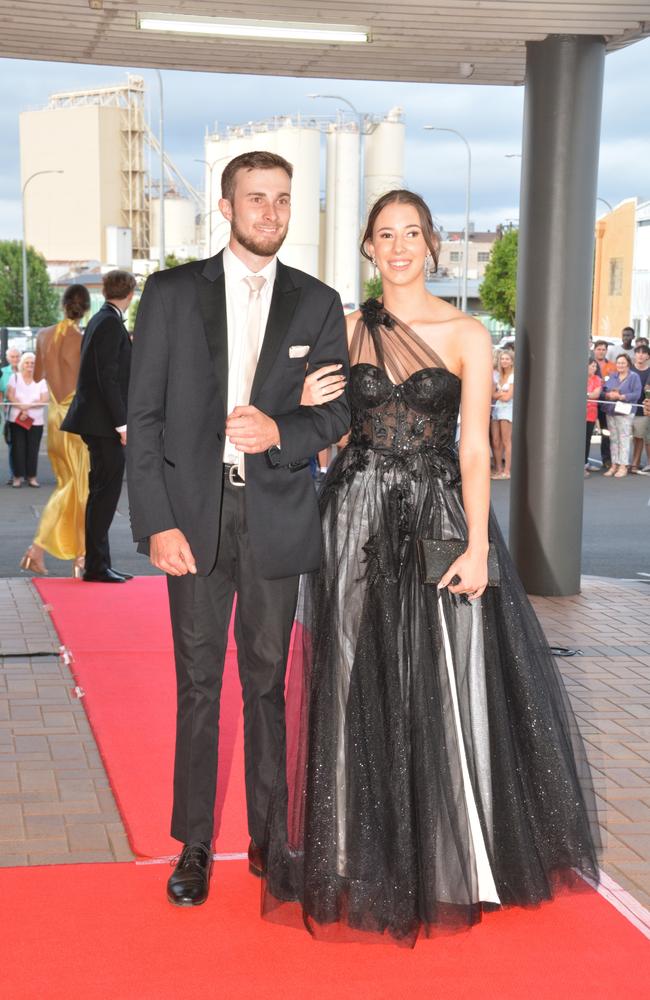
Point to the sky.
(490, 118)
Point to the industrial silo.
(383, 166)
(330, 198)
(343, 211)
(301, 147)
(180, 226)
(297, 143)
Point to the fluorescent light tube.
(280, 31)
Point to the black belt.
(231, 473)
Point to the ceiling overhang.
(449, 41)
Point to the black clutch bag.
(435, 556)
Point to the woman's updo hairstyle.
(402, 197)
(75, 301)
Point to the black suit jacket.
(178, 400)
(99, 404)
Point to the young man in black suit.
(98, 414)
(220, 487)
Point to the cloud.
(11, 219)
(490, 117)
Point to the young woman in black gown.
(435, 767)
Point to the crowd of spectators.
(501, 417)
(25, 399)
(618, 404)
(618, 398)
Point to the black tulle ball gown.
(434, 764)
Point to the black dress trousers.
(105, 485)
(24, 450)
(201, 607)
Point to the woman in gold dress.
(61, 528)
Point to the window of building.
(483, 256)
(616, 276)
(455, 256)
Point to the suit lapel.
(283, 305)
(211, 287)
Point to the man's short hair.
(642, 347)
(600, 343)
(256, 160)
(118, 285)
(628, 329)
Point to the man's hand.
(251, 431)
(123, 438)
(170, 552)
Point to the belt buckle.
(232, 472)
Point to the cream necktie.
(255, 284)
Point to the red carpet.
(106, 931)
(121, 642)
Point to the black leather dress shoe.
(189, 883)
(255, 860)
(120, 572)
(108, 576)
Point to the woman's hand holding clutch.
(467, 575)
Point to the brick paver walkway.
(56, 805)
(610, 691)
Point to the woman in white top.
(26, 420)
(501, 423)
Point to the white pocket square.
(299, 351)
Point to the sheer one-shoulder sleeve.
(382, 340)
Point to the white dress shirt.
(237, 299)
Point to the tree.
(372, 288)
(43, 298)
(171, 260)
(133, 313)
(498, 290)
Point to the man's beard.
(260, 247)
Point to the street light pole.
(24, 247)
(435, 128)
(162, 175)
(362, 208)
(210, 167)
(211, 211)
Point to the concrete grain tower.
(97, 138)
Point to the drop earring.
(428, 267)
(374, 266)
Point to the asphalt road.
(615, 532)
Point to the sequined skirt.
(434, 765)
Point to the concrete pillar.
(562, 111)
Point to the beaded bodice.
(420, 411)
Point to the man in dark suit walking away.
(220, 488)
(98, 414)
